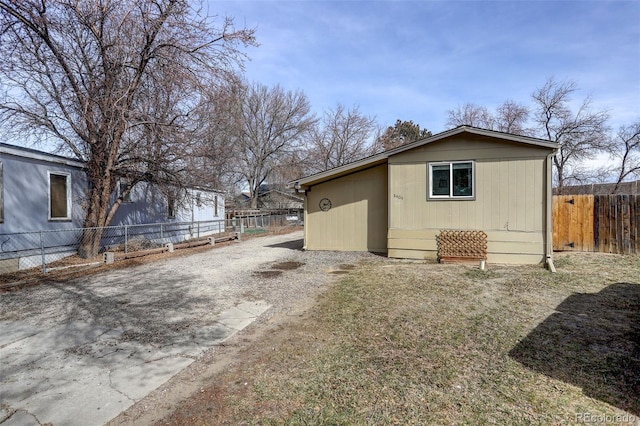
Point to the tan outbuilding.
(397, 202)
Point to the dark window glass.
(124, 187)
(58, 196)
(440, 179)
(462, 180)
(171, 207)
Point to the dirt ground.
(537, 347)
(518, 310)
(192, 383)
(167, 305)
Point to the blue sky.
(415, 60)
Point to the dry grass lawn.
(412, 343)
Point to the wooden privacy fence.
(603, 223)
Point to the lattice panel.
(462, 245)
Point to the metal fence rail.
(266, 220)
(41, 249)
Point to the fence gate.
(605, 223)
(573, 223)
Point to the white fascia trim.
(41, 156)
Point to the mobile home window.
(171, 206)
(59, 196)
(123, 187)
(451, 180)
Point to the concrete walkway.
(81, 352)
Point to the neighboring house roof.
(382, 157)
(263, 193)
(284, 194)
(20, 151)
(622, 188)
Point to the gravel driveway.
(82, 351)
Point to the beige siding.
(357, 220)
(502, 246)
(509, 202)
(464, 147)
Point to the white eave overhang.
(18, 151)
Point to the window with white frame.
(451, 180)
(59, 196)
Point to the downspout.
(299, 190)
(305, 210)
(549, 216)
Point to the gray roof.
(20, 151)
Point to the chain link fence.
(58, 248)
(256, 223)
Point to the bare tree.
(292, 165)
(342, 136)
(470, 114)
(156, 149)
(510, 117)
(626, 151)
(401, 133)
(219, 124)
(81, 73)
(581, 134)
(272, 124)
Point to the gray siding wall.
(25, 199)
(150, 205)
(25, 195)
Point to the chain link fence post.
(126, 239)
(44, 261)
